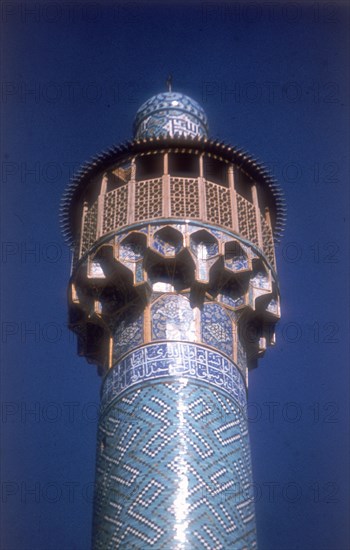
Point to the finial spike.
(169, 82)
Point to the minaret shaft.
(173, 459)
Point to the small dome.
(170, 113)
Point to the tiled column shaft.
(173, 459)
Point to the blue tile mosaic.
(232, 295)
(173, 318)
(216, 327)
(128, 332)
(139, 273)
(131, 251)
(174, 471)
(166, 246)
(236, 263)
(260, 280)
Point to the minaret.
(174, 296)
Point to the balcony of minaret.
(175, 221)
(176, 184)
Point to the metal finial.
(169, 82)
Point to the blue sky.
(273, 79)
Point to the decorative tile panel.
(232, 295)
(172, 318)
(128, 332)
(167, 247)
(261, 280)
(131, 251)
(139, 272)
(205, 252)
(236, 262)
(131, 254)
(216, 327)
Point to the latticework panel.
(115, 209)
(247, 220)
(121, 206)
(184, 194)
(148, 199)
(268, 243)
(90, 228)
(218, 204)
(108, 223)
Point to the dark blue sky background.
(273, 78)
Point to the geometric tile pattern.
(173, 470)
(173, 360)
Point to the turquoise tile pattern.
(173, 457)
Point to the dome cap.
(168, 114)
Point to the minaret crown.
(170, 113)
